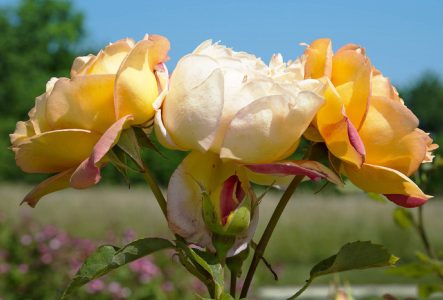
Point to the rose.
(233, 104)
(240, 118)
(372, 136)
(77, 120)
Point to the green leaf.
(425, 290)
(226, 296)
(209, 263)
(107, 258)
(352, 256)
(403, 218)
(129, 144)
(436, 265)
(412, 270)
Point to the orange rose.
(372, 136)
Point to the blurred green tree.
(38, 40)
(425, 99)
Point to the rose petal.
(54, 151)
(136, 84)
(230, 197)
(85, 102)
(185, 199)
(338, 131)
(312, 169)
(391, 138)
(23, 131)
(50, 185)
(406, 201)
(271, 126)
(191, 112)
(382, 180)
(318, 59)
(88, 172)
(108, 61)
(354, 137)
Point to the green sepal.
(239, 219)
(222, 244)
(129, 144)
(142, 135)
(210, 216)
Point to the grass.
(312, 228)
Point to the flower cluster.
(242, 122)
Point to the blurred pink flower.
(129, 235)
(168, 287)
(95, 286)
(4, 268)
(198, 286)
(55, 244)
(26, 240)
(46, 258)
(23, 268)
(145, 268)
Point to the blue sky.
(402, 38)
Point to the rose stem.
(150, 179)
(233, 284)
(259, 251)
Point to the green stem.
(423, 235)
(300, 291)
(233, 284)
(259, 251)
(150, 180)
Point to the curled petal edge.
(354, 137)
(406, 201)
(88, 172)
(54, 183)
(396, 186)
(312, 169)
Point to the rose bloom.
(76, 121)
(372, 136)
(240, 118)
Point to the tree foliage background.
(40, 38)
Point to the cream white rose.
(232, 104)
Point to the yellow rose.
(75, 123)
(240, 118)
(366, 125)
